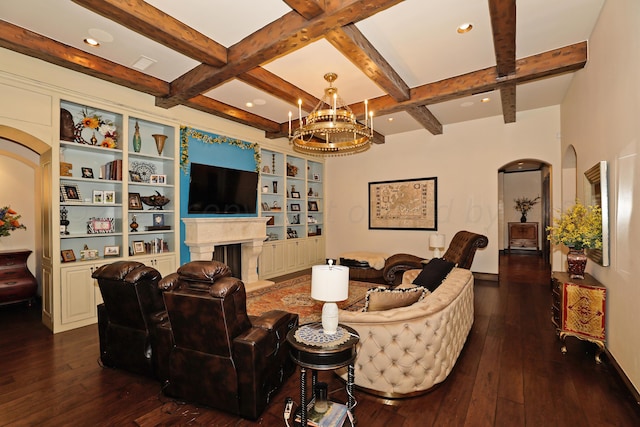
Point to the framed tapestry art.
(407, 204)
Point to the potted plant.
(524, 205)
(578, 228)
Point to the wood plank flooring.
(510, 373)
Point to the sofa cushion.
(433, 273)
(382, 298)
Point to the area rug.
(294, 295)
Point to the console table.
(579, 309)
(16, 281)
(323, 357)
(523, 235)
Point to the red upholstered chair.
(223, 358)
(127, 319)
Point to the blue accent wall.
(215, 154)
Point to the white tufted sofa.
(406, 351)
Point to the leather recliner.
(128, 317)
(222, 357)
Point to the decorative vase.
(523, 218)
(577, 261)
(160, 140)
(137, 141)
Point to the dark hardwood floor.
(510, 373)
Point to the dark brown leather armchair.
(128, 317)
(222, 358)
(461, 250)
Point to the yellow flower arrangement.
(580, 227)
(9, 221)
(106, 128)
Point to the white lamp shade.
(436, 241)
(329, 282)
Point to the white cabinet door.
(165, 264)
(80, 293)
(272, 259)
(316, 250)
(296, 255)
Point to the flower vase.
(137, 141)
(160, 140)
(577, 261)
(523, 218)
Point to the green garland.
(186, 132)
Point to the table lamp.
(436, 241)
(330, 283)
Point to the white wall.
(465, 159)
(600, 119)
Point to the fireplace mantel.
(202, 235)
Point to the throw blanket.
(376, 260)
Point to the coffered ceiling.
(405, 57)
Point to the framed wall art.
(407, 204)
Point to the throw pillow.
(433, 273)
(382, 298)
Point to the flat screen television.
(218, 190)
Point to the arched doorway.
(529, 178)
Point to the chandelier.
(331, 128)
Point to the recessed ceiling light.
(467, 104)
(249, 104)
(390, 119)
(464, 28)
(485, 100)
(91, 42)
(259, 101)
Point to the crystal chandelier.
(331, 128)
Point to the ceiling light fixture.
(91, 42)
(331, 128)
(483, 100)
(464, 28)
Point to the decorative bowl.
(156, 201)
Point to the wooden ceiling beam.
(503, 24)
(508, 98)
(284, 35)
(153, 23)
(355, 47)
(220, 109)
(426, 118)
(37, 46)
(308, 9)
(535, 67)
(278, 87)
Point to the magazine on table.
(335, 415)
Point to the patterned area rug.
(295, 296)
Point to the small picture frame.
(265, 206)
(70, 192)
(158, 179)
(313, 206)
(135, 176)
(87, 173)
(109, 197)
(138, 247)
(111, 251)
(135, 202)
(158, 220)
(295, 194)
(100, 226)
(98, 197)
(88, 254)
(316, 177)
(67, 255)
(295, 206)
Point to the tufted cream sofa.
(406, 351)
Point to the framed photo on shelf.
(135, 176)
(138, 247)
(109, 197)
(67, 255)
(158, 179)
(100, 226)
(295, 194)
(295, 206)
(313, 206)
(87, 173)
(111, 251)
(98, 196)
(265, 206)
(135, 202)
(158, 220)
(70, 192)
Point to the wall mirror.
(597, 193)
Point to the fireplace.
(203, 235)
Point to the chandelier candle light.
(331, 128)
(330, 283)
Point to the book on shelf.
(335, 415)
